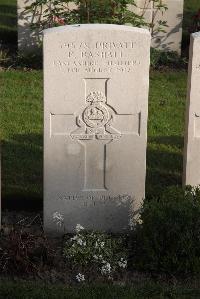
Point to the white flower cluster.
(78, 240)
(122, 263)
(79, 228)
(80, 277)
(58, 218)
(93, 249)
(194, 190)
(98, 257)
(99, 244)
(106, 268)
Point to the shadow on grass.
(22, 169)
(164, 163)
(8, 24)
(22, 180)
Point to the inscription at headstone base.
(191, 168)
(96, 101)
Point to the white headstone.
(191, 173)
(29, 39)
(96, 80)
(171, 38)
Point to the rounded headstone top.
(88, 27)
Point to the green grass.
(21, 120)
(27, 290)
(21, 123)
(166, 127)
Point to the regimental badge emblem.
(96, 119)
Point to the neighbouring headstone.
(29, 39)
(96, 80)
(170, 40)
(191, 169)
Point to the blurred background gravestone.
(29, 39)
(191, 167)
(170, 40)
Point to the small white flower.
(99, 244)
(106, 269)
(74, 238)
(193, 191)
(122, 263)
(78, 240)
(97, 257)
(79, 228)
(81, 242)
(58, 218)
(80, 277)
(102, 244)
(132, 222)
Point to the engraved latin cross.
(95, 131)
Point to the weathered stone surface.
(96, 81)
(28, 40)
(144, 4)
(171, 39)
(191, 175)
(146, 13)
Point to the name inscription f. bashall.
(97, 57)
